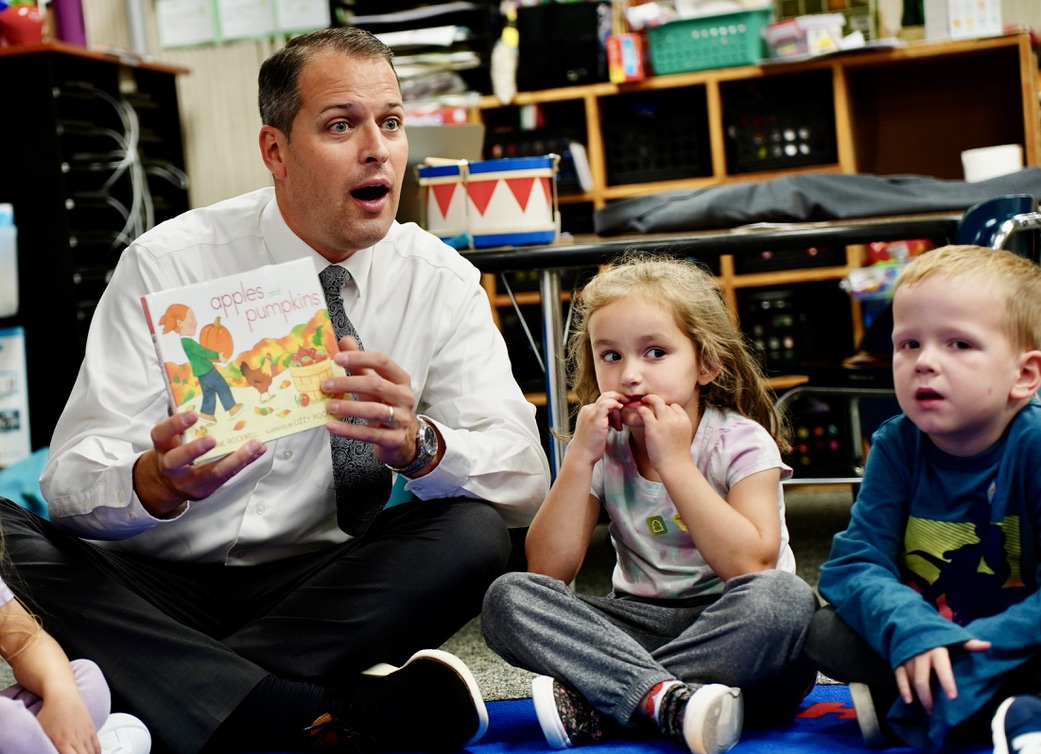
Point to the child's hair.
(691, 293)
(174, 313)
(30, 631)
(1015, 279)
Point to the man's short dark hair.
(279, 79)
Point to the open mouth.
(927, 394)
(370, 193)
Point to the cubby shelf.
(903, 110)
(909, 109)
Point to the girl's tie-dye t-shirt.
(656, 554)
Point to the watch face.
(427, 440)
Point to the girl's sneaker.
(566, 718)
(708, 719)
(1016, 726)
(124, 734)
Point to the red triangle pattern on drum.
(443, 194)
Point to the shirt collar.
(284, 246)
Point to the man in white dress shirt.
(224, 604)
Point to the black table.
(591, 250)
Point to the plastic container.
(697, 44)
(806, 35)
(8, 262)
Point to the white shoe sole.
(459, 668)
(713, 719)
(546, 712)
(997, 727)
(124, 734)
(867, 715)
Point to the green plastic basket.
(697, 44)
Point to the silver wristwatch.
(426, 449)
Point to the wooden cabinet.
(94, 156)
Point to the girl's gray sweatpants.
(615, 649)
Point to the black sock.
(272, 717)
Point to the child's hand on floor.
(915, 676)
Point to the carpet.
(825, 725)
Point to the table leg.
(553, 353)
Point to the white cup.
(990, 162)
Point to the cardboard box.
(962, 19)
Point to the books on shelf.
(247, 352)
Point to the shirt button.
(286, 455)
(261, 509)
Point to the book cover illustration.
(247, 352)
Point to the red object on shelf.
(20, 25)
(625, 58)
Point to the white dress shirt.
(413, 298)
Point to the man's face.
(338, 179)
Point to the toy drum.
(505, 202)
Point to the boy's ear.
(1029, 381)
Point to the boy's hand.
(915, 676)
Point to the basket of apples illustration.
(308, 367)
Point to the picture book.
(247, 352)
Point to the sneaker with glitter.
(565, 716)
(708, 719)
(1016, 726)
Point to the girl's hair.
(1015, 279)
(279, 97)
(691, 293)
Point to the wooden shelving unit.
(906, 110)
(72, 112)
(911, 109)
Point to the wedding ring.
(390, 415)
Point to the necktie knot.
(333, 278)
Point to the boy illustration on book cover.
(180, 319)
(256, 368)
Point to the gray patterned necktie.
(362, 482)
